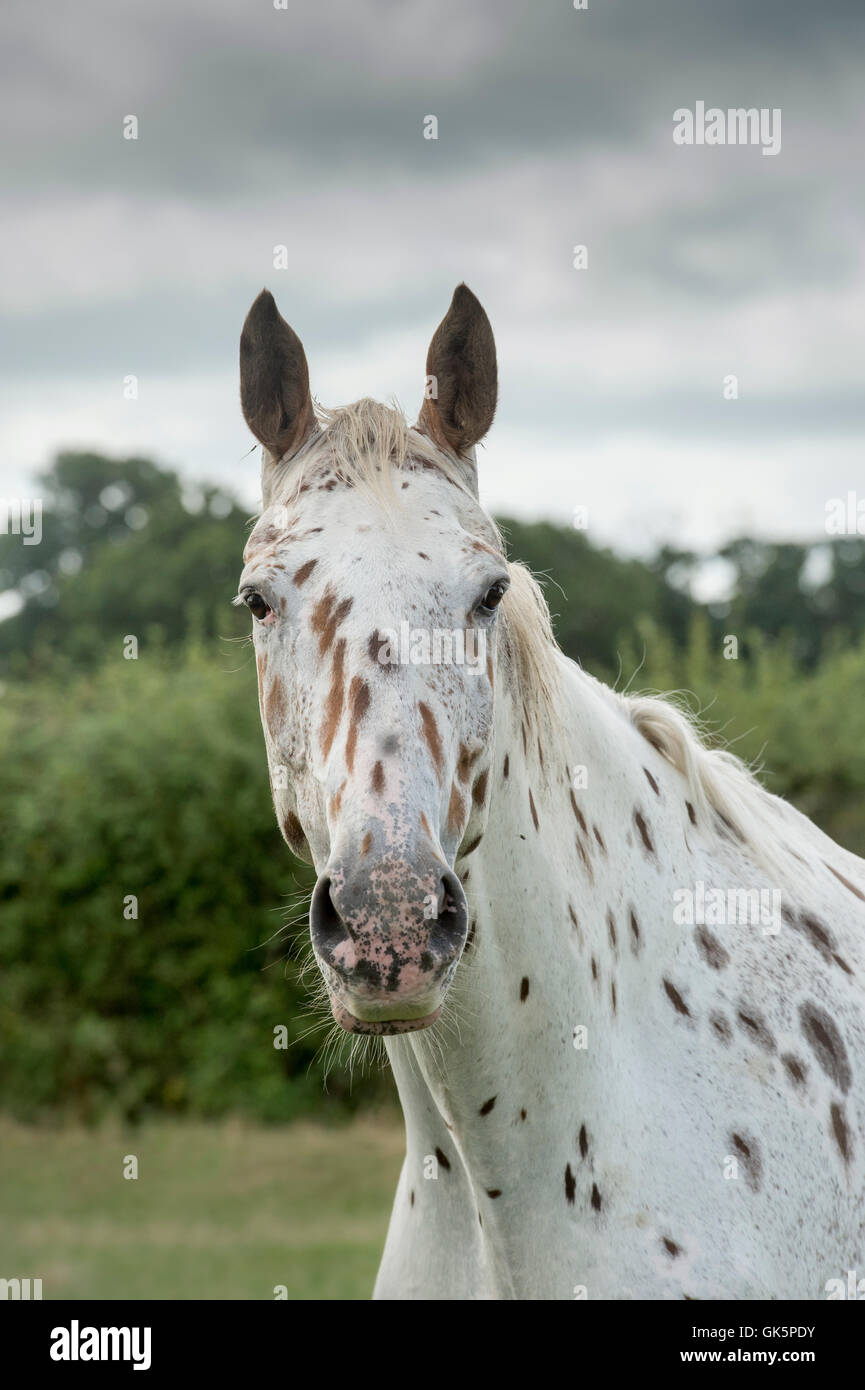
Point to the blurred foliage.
(149, 777)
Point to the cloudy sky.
(303, 127)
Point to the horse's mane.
(367, 444)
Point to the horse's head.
(374, 578)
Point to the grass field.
(217, 1211)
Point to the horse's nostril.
(448, 932)
(326, 926)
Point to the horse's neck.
(556, 890)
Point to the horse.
(614, 1085)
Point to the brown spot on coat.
(753, 1024)
(711, 949)
(570, 1186)
(583, 1141)
(721, 1026)
(487, 1106)
(671, 1247)
(506, 770)
(578, 813)
(366, 844)
(748, 1153)
(479, 789)
(533, 810)
(676, 999)
(444, 1162)
(841, 1131)
(692, 814)
(596, 1197)
(524, 989)
(652, 783)
(377, 780)
(795, 1069)
(644, 832)
(635, 931)
(826, 1043)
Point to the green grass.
(218, 1210)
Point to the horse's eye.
(493, 597)
(257, 605)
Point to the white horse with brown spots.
(613, 1086)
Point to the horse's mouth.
(380, 1027)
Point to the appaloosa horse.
(614, 1086)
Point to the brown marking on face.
(491, 675)
(464, 763)
(524, 989)
(841, 1131)
(644, 832)
(366, 844)
(470, 849)
(710, 948)
(456, 809)
(479, 789)
(377, 779)
(358, 704)
(478, 544)
(431, 734)
(334, 702)
(293, 832)
(826, 1043)
(326, 619)
(652, 783)
(857, 892)
(275, 706)
(578, 813)
(336, 802)
(470, 939)
(425, 823)
(261, 667)
(506, 770)
(301, 575)
(676, 999)
(533, 810)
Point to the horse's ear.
(274, 380)
(462, 380)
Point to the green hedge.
(149, 778)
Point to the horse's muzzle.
(387, 936)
